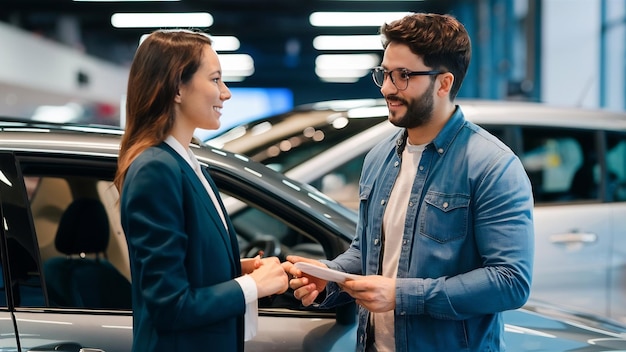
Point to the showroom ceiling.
(277, 34)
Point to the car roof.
(540, 114)
(503, 112)
(256, 137)
(103, 141)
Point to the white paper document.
(325, 273)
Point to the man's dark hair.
(440, 40)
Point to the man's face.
(412, 107)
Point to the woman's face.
(200, 100)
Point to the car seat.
(77, 279)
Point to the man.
(445, 232)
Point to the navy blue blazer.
(183, 261)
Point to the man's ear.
(445, 83)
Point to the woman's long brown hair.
(164, 60)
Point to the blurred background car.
(575, 158)
(50, 174)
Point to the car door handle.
(574, 238)
(64, 346)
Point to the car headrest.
(84, 228)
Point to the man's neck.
(426, 133)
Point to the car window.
(80, 249)
(562, 164)
(259, 231)
(342, 182)
(78, 245)
(616, 166)
(293, 149)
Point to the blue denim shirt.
(468, 243)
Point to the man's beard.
(419, 111)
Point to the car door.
(40, 325)
(46, 184)
(573, 225)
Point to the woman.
(188, 292)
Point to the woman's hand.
(270, 277)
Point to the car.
(574, 157)
(58, 204)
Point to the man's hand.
(306, 288)
(374, 292)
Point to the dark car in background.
(575, 158)
(56, 183)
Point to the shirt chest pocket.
(444, 217)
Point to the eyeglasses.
(399, 77)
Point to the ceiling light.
(225, 43)
(161, 20)
(347, 42)
(220, 43)
(353, 19)
(235, 67)
(347, 61)
(344, 68)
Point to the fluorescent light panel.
(161, 20)
(235, 67)
(353, 19)
(347, 42)
(225, 43)
(344, 68)
(347, 61)
(220, 43)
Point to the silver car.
(64, 262)
(575, 158)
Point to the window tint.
(562, 164)
(294, 149)
(75, 219)
(342, 183)
(616, 166)
(258, 230)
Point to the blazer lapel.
(198, 187)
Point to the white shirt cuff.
(248, 286)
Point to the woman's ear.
(177, 97)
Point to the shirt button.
(410, 204)
(421, 168)
(376, 241)
(382, 202)
(396, 164)
(403, 313)
(445, 204)
(440, 150)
